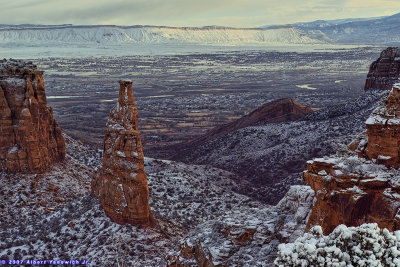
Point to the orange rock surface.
(121, 183)
(30, 139)
(383, 130)
(350, 196)
(353, 190)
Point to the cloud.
(239, 13)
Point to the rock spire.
(30, 139)
(121, 183)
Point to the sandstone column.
(121, 183)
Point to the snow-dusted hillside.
(273, 155)
(52, 216)
(67, 34)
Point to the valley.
(180, 97)
(214, 134)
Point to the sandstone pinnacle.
(121, 183)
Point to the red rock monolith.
(121, 183)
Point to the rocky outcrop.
(30, 139)
(281, 110)
(353, 191)
(363, 187)
(384, 72)
(383, 131)
(121, 183)
(246, 237)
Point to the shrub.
(365, 245)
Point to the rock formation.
(246, 237)
(384, 72)
(281, 110)
(383, 130)
(30, 139)
(358, 189)
(121, 183)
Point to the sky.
(235, 13)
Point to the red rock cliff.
(121, 183)
(362, 188)
(384, 72)
(30, 139)
(383, 130)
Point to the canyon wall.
(385, 71)
(30, 139)
(363, 186)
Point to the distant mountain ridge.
(111, 34)
(380, 30)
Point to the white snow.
(322, 173)
(121, 154)
(306, 86)
(98, 35)
(366, 245)
(13, 149)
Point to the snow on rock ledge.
(352, 190)
(383, 130)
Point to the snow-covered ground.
(52, 216)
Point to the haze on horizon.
(235, 13)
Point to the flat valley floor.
(182, 96)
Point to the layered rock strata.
(384, 72)
(353, 191)
(383, 130)
(362, 188)
(30, 139)
(121, 183)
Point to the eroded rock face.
(353, 191)
(362, 188)
(384, 72)
(383, 130)
(30, 139)
(121, 183)
(246, 237)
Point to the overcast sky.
(236, 13)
